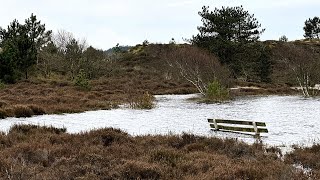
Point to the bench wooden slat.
(237, 122)
(241, 129)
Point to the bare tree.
(197, 66)
(304, 64)
(71, 49)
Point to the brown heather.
(31, 97)
(308, 157)
(32, 152)
(127, 80)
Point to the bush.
(142, 102)
(37, 110)
(82, 81)
(139, 170)
(22, 111)
(2, 85)
(166, 156)
(283, 39)
(216, 92)
(34, 129)
(3, 114)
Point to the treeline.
(229, 38)
(233, 34)
(20, 45)
(30, 48)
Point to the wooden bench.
(238, 126)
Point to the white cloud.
(181, 3)
(106, 22)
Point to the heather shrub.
(166, 156)
(33, 129)
(308, 157)
(22, 111)
(3, 104)
(144, 101)
(3, 114)
(34, 152)
(139, 170)
(37, 110)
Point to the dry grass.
(32, 152)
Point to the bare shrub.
(197, 66)
(303, 63)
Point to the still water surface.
(290, 119)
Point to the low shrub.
(3, 114)
(32, 129)
(103, 105)
(2, 85)
(144, 101)
(82, 81)
(22, 111)
(216, 92)
(166, 156)
(139, 170)
(34, 152)
(308, 157)
(9, 111)
(37, 110)
(3, 104)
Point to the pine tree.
(21, 44)
(312, 28)
(225, 32)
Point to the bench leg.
(216, 125)
(256, 129)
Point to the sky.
(104, 23)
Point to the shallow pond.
(290, 119)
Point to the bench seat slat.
(236, 122)
(241, 129)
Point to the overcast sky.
(104, 23)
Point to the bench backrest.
(239, 125)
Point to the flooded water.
(290, 119)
